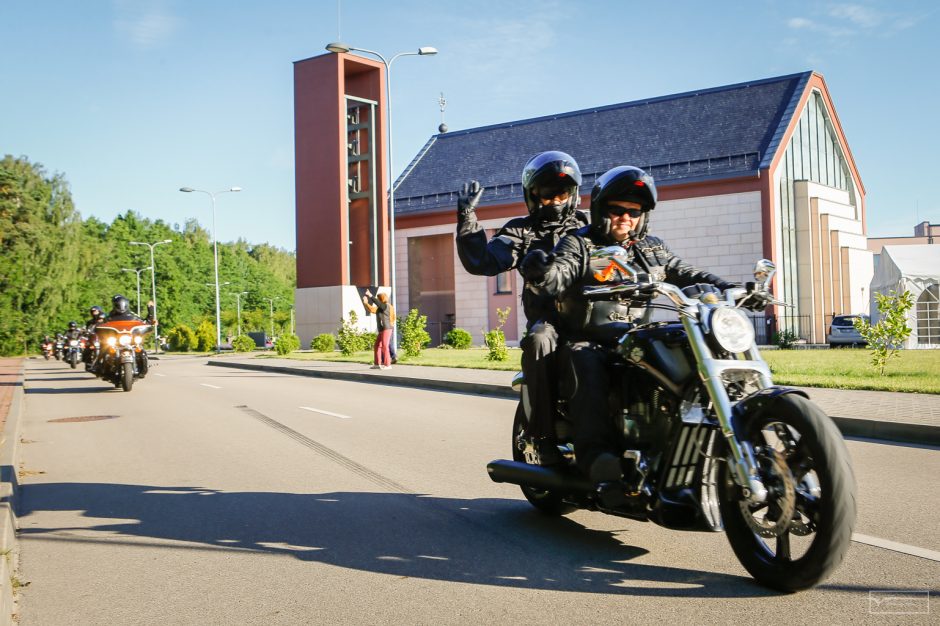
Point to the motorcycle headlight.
(124, 340)
(732, 329)
(73, 342)
(138, 340)
(111, 341)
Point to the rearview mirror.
(609, 265)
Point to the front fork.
(744, 470)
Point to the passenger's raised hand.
(469, 197)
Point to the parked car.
(842, 331)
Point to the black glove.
(757, 300)
(468, 198)
(534, 266)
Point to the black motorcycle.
(708, 441)
(72, 350)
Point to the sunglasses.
(619, 211)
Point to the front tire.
(547, 502)
(127, 377)
(806, 468)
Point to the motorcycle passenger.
(621, 203)
(550, 182)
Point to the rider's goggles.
(613, 209)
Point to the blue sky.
(131, 100)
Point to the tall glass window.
(928, 316)
(813, 154)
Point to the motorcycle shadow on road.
(498, 542)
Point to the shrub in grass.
(458, 338)
(243, 343)
(325, 342)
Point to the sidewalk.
(889, 416)
(11, 401)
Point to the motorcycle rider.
(121, 312)
(550, 182)
(621, 203)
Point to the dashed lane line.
(894, 546)
(342, 417)
(208, 385)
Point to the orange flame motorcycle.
(123, 358)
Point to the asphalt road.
(210, 496)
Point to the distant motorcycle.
(48, 349)
(59, 347)
(72, 352)
(123, 358)
(707, 441)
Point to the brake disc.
(782, 493)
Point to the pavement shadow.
(58, 390)
(496, 542)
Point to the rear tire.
(127, 377)
(547, 502)
(797, 433)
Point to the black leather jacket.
(508, 247)
(603, 320)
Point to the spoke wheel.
(544, 500)
(800, 534)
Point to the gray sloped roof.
(699, 135)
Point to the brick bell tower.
(341, 205)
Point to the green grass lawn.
(914, 371)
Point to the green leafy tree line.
(54, 265)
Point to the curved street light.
(153, 286)
(136, 271)
(338, 47)
(215, 253)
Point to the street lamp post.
(339, 47)
(271, 303)
(136, 271)
(215, 253)
(153, 286)
(238, 306)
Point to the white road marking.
(923, 553)
(342, 417)
(208, 385)
(160, 375)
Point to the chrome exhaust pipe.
(537, 477)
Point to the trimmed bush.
(325, 342)
(205, 336)
(243, 343)
(458, 338)
(286, 344)
(181, 338)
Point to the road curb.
(895, 432)
(9, 491)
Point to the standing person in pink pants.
(384, 318)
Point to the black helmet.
(95, 311)
(545, 175)
(120, 304)
(73, 325)
(626, 183)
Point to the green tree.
(413, 330)
(495, 339)
(205, 336)
(887, 336)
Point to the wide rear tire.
(547, 502)
(127, 377)
(800, 451)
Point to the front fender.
(758, 402)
